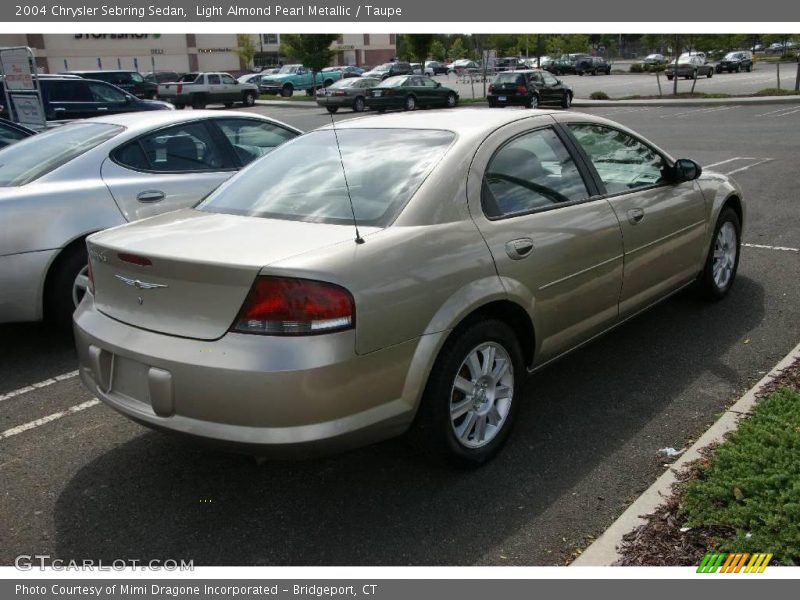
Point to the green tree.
(245, 48)
(313, 50)
(419, 45)
(567, 44)
(438, 51)
(458, 50)
(504, 44)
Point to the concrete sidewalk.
(586, 103)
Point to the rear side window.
(212, 79)
(68, 90)
(532, 171)
(187, 147)
(253, 139)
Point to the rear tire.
(710, 73)
(67, 278)
(472, 395)
(198, 101)
(722, 262)
(179, 106)
(358, 104)
(451, 101)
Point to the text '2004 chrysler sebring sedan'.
(488, 244)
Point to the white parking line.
(781, 248)
(700, 110)
(791, 109)
(39, 385)
(755, 164)
(722, 162)
(48, 419)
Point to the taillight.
(180, 88)
(135, 259)
(491, 88)
(521, 89)
(288, 306)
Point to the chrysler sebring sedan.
(61, 185)
(401, 272)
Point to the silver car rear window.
(303, 180)
(40, 154)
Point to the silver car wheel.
(481, 396)
(79, 285)
(725, 248)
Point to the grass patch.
(599, 96)
(295, 98)
(477, 100)
(667, 95)
(776, 92)
(751, 486)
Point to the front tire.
(566, 101)
(472, 395)
(451, 100)
(287, 90)
(722, 262)
(249, 99)
(410, 103)
(533, 102)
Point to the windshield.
(732, 56)
(37, 156)
(385, 67)
(137, 77)
(288, 69)
(391, 82)
(305, 182)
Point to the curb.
(603, 552)
(585, 103)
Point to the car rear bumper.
(516, 100)
(272, 396)
(335, 100)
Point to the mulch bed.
(660, 541)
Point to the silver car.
(61, 185)
(462, 250)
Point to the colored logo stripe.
(734, 563)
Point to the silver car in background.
(488, 243)
(61, 185)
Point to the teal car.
(409, 92)
(296, 77)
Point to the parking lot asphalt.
(80, 481)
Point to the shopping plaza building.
(182, 52)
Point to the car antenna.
(359, 239)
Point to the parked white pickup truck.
(199, 89)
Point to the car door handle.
(519, 248)
(60, 109)
(635, 215)
(102, 108)
(150, 196)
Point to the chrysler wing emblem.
(138, 284)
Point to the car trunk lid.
(187, 273)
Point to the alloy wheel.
(79, 285)
(481, 395)
(725, 249)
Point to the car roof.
(145, 120)
(466, 121)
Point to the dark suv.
(592, 64)
(389, 70)
(735, 61)
(130, 81)
(71, 97)
(528, 88)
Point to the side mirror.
(687, 170)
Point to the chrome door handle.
(150, 196)
(635, 215)
(59, 109)
(519, 248)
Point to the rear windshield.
(37, 156)
(303, 180)
(509, 78)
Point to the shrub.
(637, 68)
(599, 96)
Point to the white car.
(59, 186)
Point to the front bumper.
(384, 101)
(272, 396)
